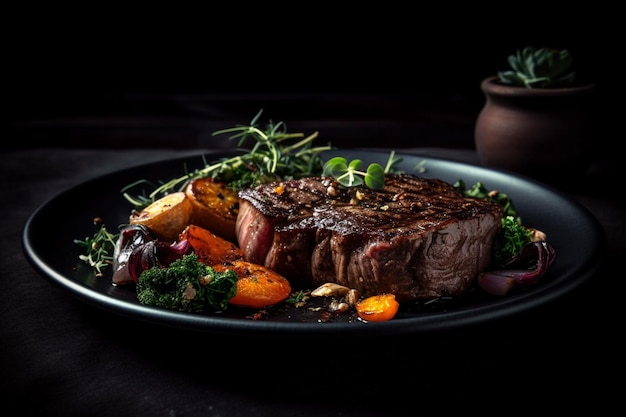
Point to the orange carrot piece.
(257, 286)
(210, 248)
(381, 307)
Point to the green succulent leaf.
(539, 68)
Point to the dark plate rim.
(435, 321)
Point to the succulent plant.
(539, 68)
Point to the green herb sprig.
(99, 248)
(273, 156)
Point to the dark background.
(369, 77)
(92, 82)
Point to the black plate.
(573, 232)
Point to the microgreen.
(349, 174)
(99, 248)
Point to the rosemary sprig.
(272, 157)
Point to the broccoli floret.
(187, 285)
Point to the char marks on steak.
(417, 238)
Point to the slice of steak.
(417, 238)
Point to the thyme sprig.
(99, 248)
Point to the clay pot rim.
(493, 85)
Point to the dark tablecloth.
(60, 356)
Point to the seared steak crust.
(417, 238)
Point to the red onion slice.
(131, 237)
(502, 281)
(155, 253)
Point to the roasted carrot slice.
(257, 286)
(381, 307)
(210, 248)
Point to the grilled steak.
(417, 238)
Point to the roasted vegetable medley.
(179, 250)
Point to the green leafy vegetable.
(510, 240)
(478, 190)
(513, 235)
(187, 285)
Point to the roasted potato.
(214, 206)
(167, 217)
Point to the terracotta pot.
(544, 133)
